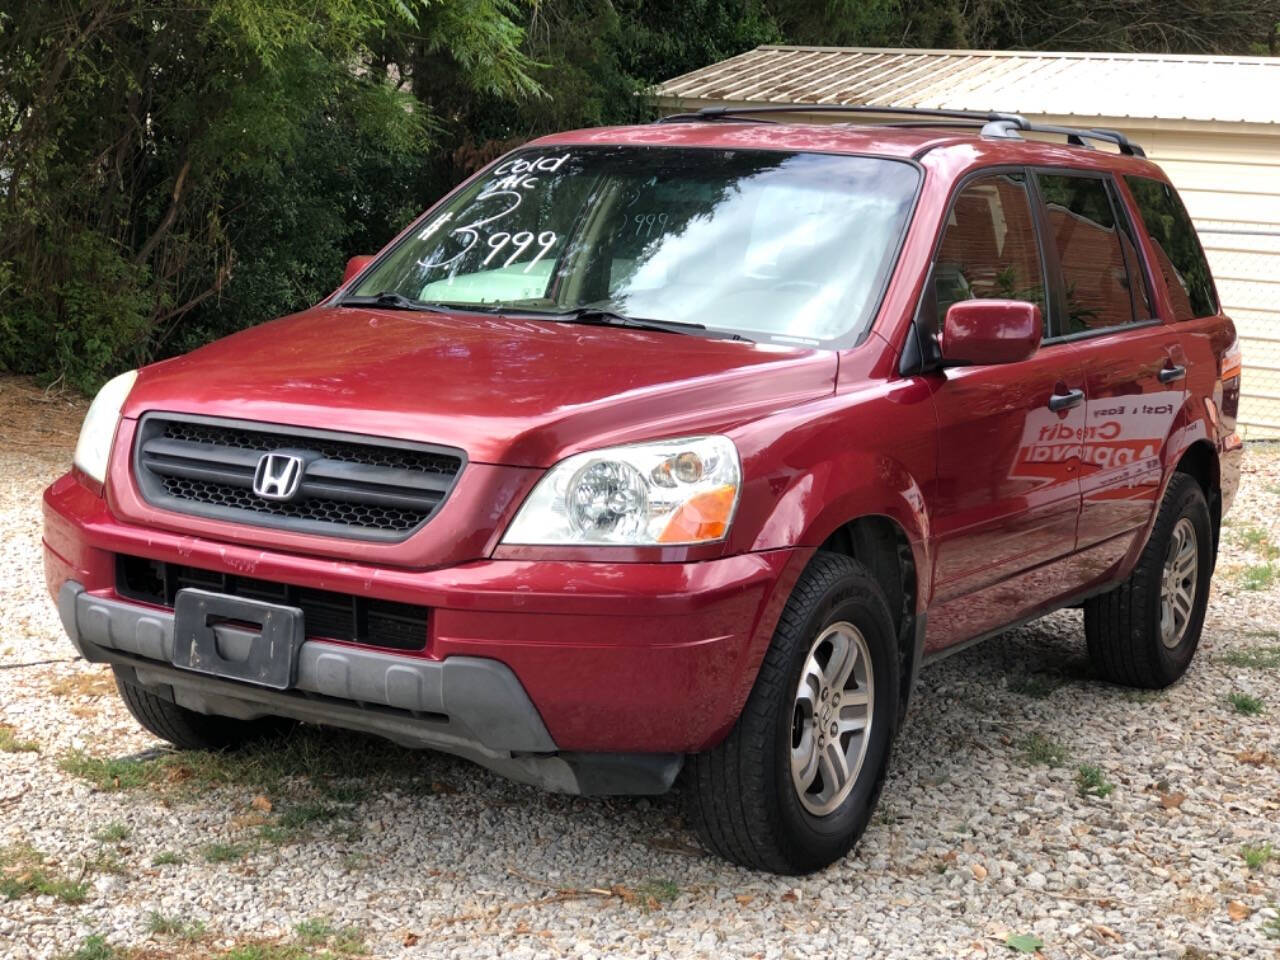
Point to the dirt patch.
(42, 422)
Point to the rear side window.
(989, 249)
(1083, 228)
(1181, 260)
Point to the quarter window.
(989, 249)
(1095, 271)
(1178, 252)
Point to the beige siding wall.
(1230, 183)
(1231, 186)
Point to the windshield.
(782, 246)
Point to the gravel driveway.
(1024, 800)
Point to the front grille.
(326, 614)
(351, 486)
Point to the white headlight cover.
(93, 449)
(669, 492)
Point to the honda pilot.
(677, 451)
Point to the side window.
(989, 249)
(1095, 271)
(1139, 291)
(1178, 253)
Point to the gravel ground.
(983, 831)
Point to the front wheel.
(1144, 632)
(793, 786)
(189, 730)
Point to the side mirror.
(990, 331)
(354, 266)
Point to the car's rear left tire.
(794, 784)
(188, 729)
(1144, 632)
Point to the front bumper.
(578, 658)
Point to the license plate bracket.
(236, 638)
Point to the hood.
(507, 391)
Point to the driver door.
(1007, 495)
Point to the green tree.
(151, 154)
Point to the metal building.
(1213, 123)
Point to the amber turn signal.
(703, 517)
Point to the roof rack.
(734, 113)
(1076, 137)
(1006, 126)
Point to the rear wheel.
(1145, 631)
(189, 729)
(793, 785)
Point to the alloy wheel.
(1178, 583)
(831, 719)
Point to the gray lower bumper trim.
(470, 706)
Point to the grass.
(320, 932)
(1091, 783)
(223, 852)
(290, 825)
(656, 892)
(110, 774)
(114, 832)
(1256, 538)
(167, 857)
(1039, 749)
(342, 767)
(1272, 928)
(24, 871)
(1255, 858)
(1245, 703)
(94, 947)
(179, 928)
(304, 815)
(1258, 576)
(104, 861)
(9, 742)
(1253, 658)
(1036, 685)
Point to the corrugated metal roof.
(1149, 86)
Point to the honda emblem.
(279, 475)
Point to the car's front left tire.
(794, 784)
(188, 729)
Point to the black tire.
(741, 794)
(1123, 626)
(188, 729)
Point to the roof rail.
(1009, 130)
(735, 113)
(1007, 126)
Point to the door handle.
(1065, 401)
(1170, 374)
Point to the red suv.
(678, 446)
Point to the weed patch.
(1038, 749)
(223, 852)
(1245, 703)
(1255, 858)
(1258, 576)
(1091, 783)
(1253, 658)
(9, 742)
(24, 871)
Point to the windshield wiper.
(599, 316)
(390, 300)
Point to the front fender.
(867, 453)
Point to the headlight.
(93, 449)
(670, 492)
